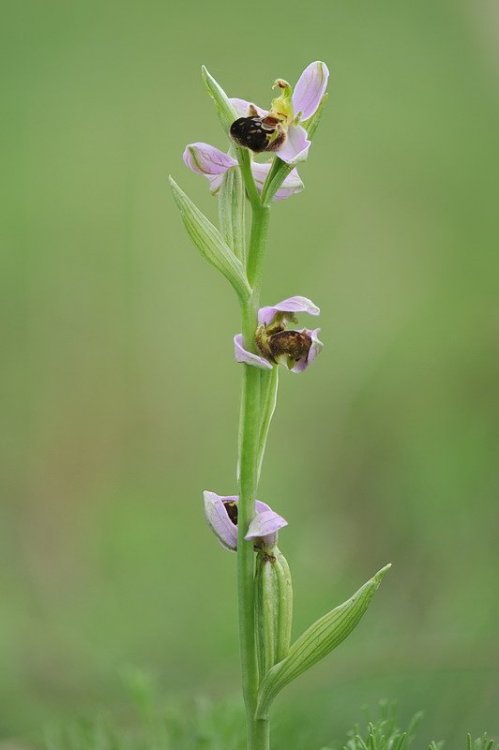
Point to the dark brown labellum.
(231, 509)
(294, 344)
(258, 133)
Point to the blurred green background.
(120, 395)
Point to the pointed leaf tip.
(225, 109)
(382, 572)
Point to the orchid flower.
(209, 161)
(221, 514)
(276, 343)
(280, 129)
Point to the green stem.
(258, 731)
(259, 737)
(245, 555)
(258, 235)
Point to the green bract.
(317, 642)
(268, 398)
(210, 242)
(273, 609)
(225, 109)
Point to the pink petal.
(291, 185)
(242, 108)
(260, 172)
(310, 89)
(261, 507)
(265, 526)
(215, 182)
(296, 145)
(296, 304)
(204, 159)
(243, 356)
(218, 518)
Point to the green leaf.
(210, 242)
(317, 642)
(225, 109)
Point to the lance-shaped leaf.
(317, 642)
(210, 242)
(226, 110)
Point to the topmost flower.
(279, 128)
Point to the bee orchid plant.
(282, 135)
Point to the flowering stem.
(250, 429)
(268, 659)
(245, 555)
(259, 229)
(260, 735)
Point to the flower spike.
(271, 337)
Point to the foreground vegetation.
(206, 726)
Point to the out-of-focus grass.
(119, 394)
(205, 726)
